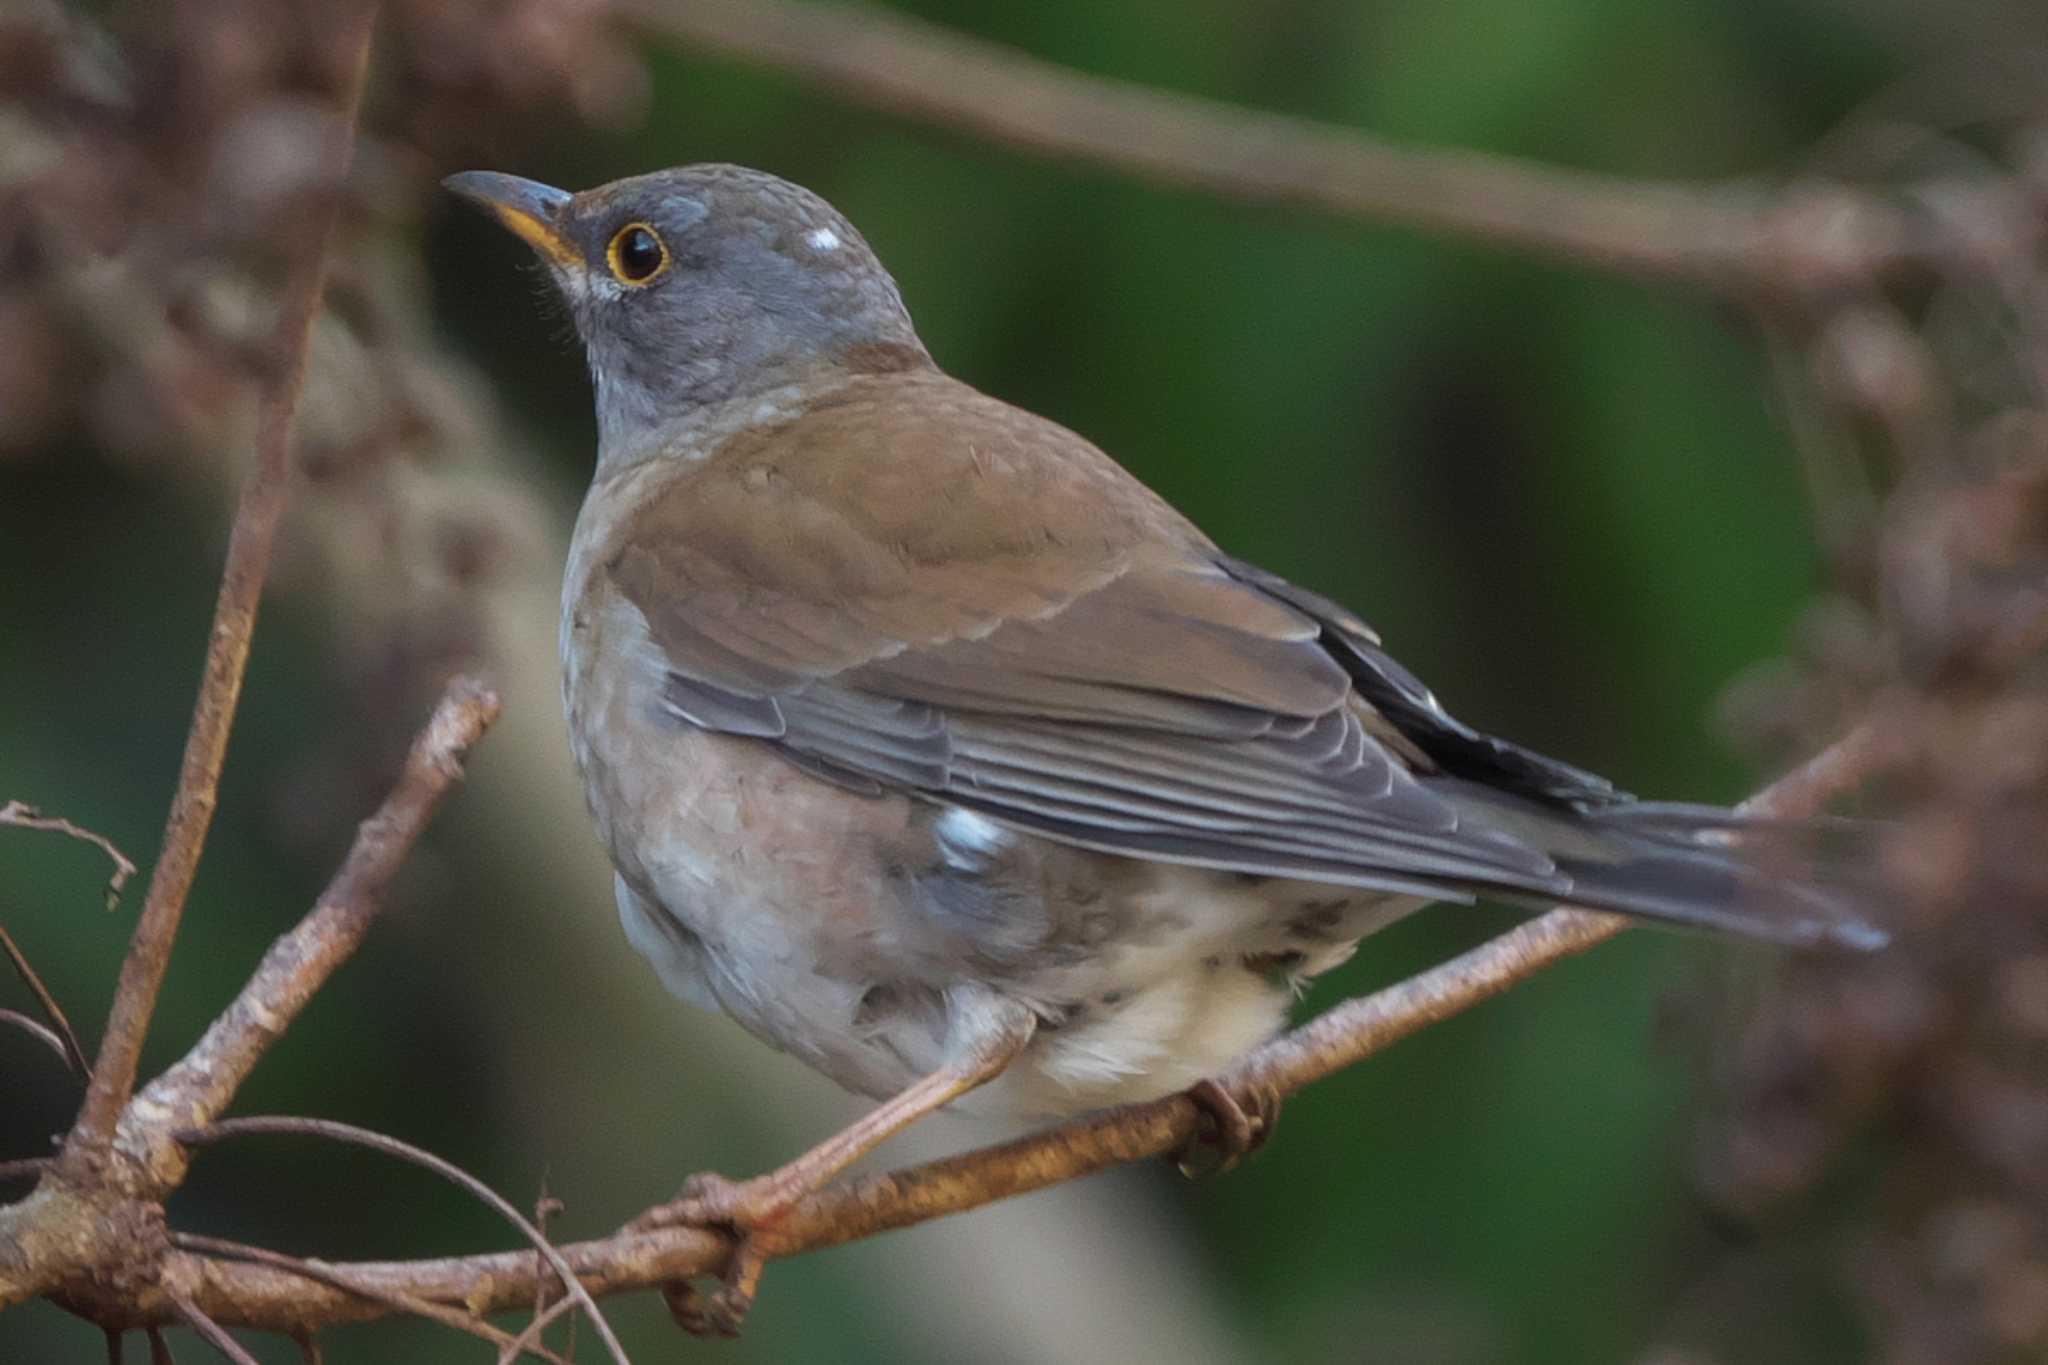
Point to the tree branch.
(68, 1232)
(267, 1297)
(1736, 236)
(200, 1085)
(257, 517)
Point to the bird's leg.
(988, 1034)
(1233, 1132)
(760, 1201)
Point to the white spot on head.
(823, 239)
(969, 841)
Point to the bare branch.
(850, 1210)
(74, 1051)
(447, 1170)
(24, 816)
(257, 517)
(1735, 236)
(26, 1168)
(292, 972)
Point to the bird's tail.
(1802, 883)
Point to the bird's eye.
(637, 254)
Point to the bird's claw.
(749, 1209)
(1231, 1130)
(718, 1312)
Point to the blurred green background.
(1564, 500)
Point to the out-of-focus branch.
(23, 816)
(272, 1296)
(257, 517)
(1736, 236)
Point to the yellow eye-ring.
(637, 255)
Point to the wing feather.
(1049, 645)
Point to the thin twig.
(24, 816)
(302, 960)
(42, 1033)
(257, 517)
(1733, 235)
(530, 1336)
(26, 1168)
(545, 1207)
(342, 1278)
(215, 1334)
(75, 1052)
(447, 1170)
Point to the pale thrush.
(940, 752)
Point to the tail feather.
(1788, 882)
(1714, 889)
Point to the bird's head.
(704, 283)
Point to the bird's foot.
(750, 1210)
(708, 1199)
(1230, 1130)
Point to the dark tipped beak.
(528, 208)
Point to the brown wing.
(918, 588)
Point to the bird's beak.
(528, 208)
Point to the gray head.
(704, 283)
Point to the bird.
(941, 753)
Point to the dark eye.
(637, 254)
